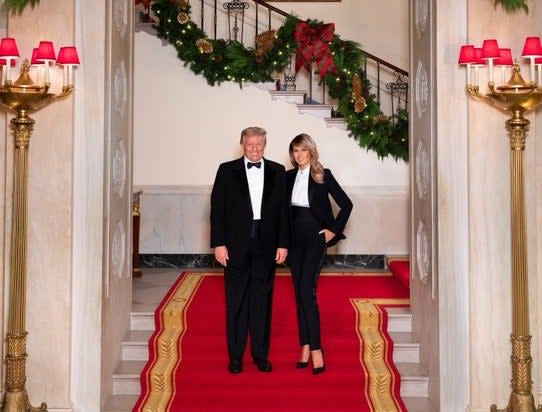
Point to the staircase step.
(126, 378)
(291, 96)
(126, 381)
(142, 321)
(414, 380)
(270, 86)
(417, 404)
(338, 122)
(405, 349)
(318, 110)
(399, 319)
(120, 403)
(135, 345)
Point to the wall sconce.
(515, 97)
(23, 97)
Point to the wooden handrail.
(369, 55)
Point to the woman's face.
(302, 156)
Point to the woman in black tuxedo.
(313, 228)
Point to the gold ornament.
(182, 18)
(381, 118)
(204, 46)
(264, 43)
(360, 104)
(359, 101)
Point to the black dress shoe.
(235, 366)
(263, 365)
(301, 365)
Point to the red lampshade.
(538, 60)
(479, 61)
(505, 59)
(68, 55)
(34, 60)
(46, 51)
(532, 47)
(467, 54)
(8, 48)
(3, 62)
(490, 49)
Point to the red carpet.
(187, 359)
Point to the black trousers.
(249, 290)
(305, 259)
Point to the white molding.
(204, 190)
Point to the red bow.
(313, 44)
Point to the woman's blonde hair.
(305, 141)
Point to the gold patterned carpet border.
(167, 352)
(382, 381)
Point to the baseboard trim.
(358, 262)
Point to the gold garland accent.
(359, 101)
(380, 118)
(204, 46)
(182, 18)
(173, 326)
(265, 41)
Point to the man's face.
(253, 146)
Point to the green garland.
(512, 6)
(220, 61)
(17, 6)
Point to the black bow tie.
(257, 164)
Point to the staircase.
(126, 384)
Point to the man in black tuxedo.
(249, 232)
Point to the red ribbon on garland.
(312, 43)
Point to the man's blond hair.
(254, 131)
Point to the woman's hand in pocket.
(328, 234)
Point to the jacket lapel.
(312, 188)
(268, 179)
(240, 176)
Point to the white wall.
(185, 128)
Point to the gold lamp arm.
(494, 100)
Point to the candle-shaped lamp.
(531, 50)
(467, 56)
(46, 53)
(9, 52)
(504, 61)
(68, 58)
(490, 52)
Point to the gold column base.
(521, 399)
(18, 402)
(519, 403)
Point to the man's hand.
(221, 255)
(328, 234)
(281, 255)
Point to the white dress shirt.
(255, 187)
(300, 192)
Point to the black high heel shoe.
(301, 365)
(319, 369)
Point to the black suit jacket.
(320, 205)
(231, 210)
